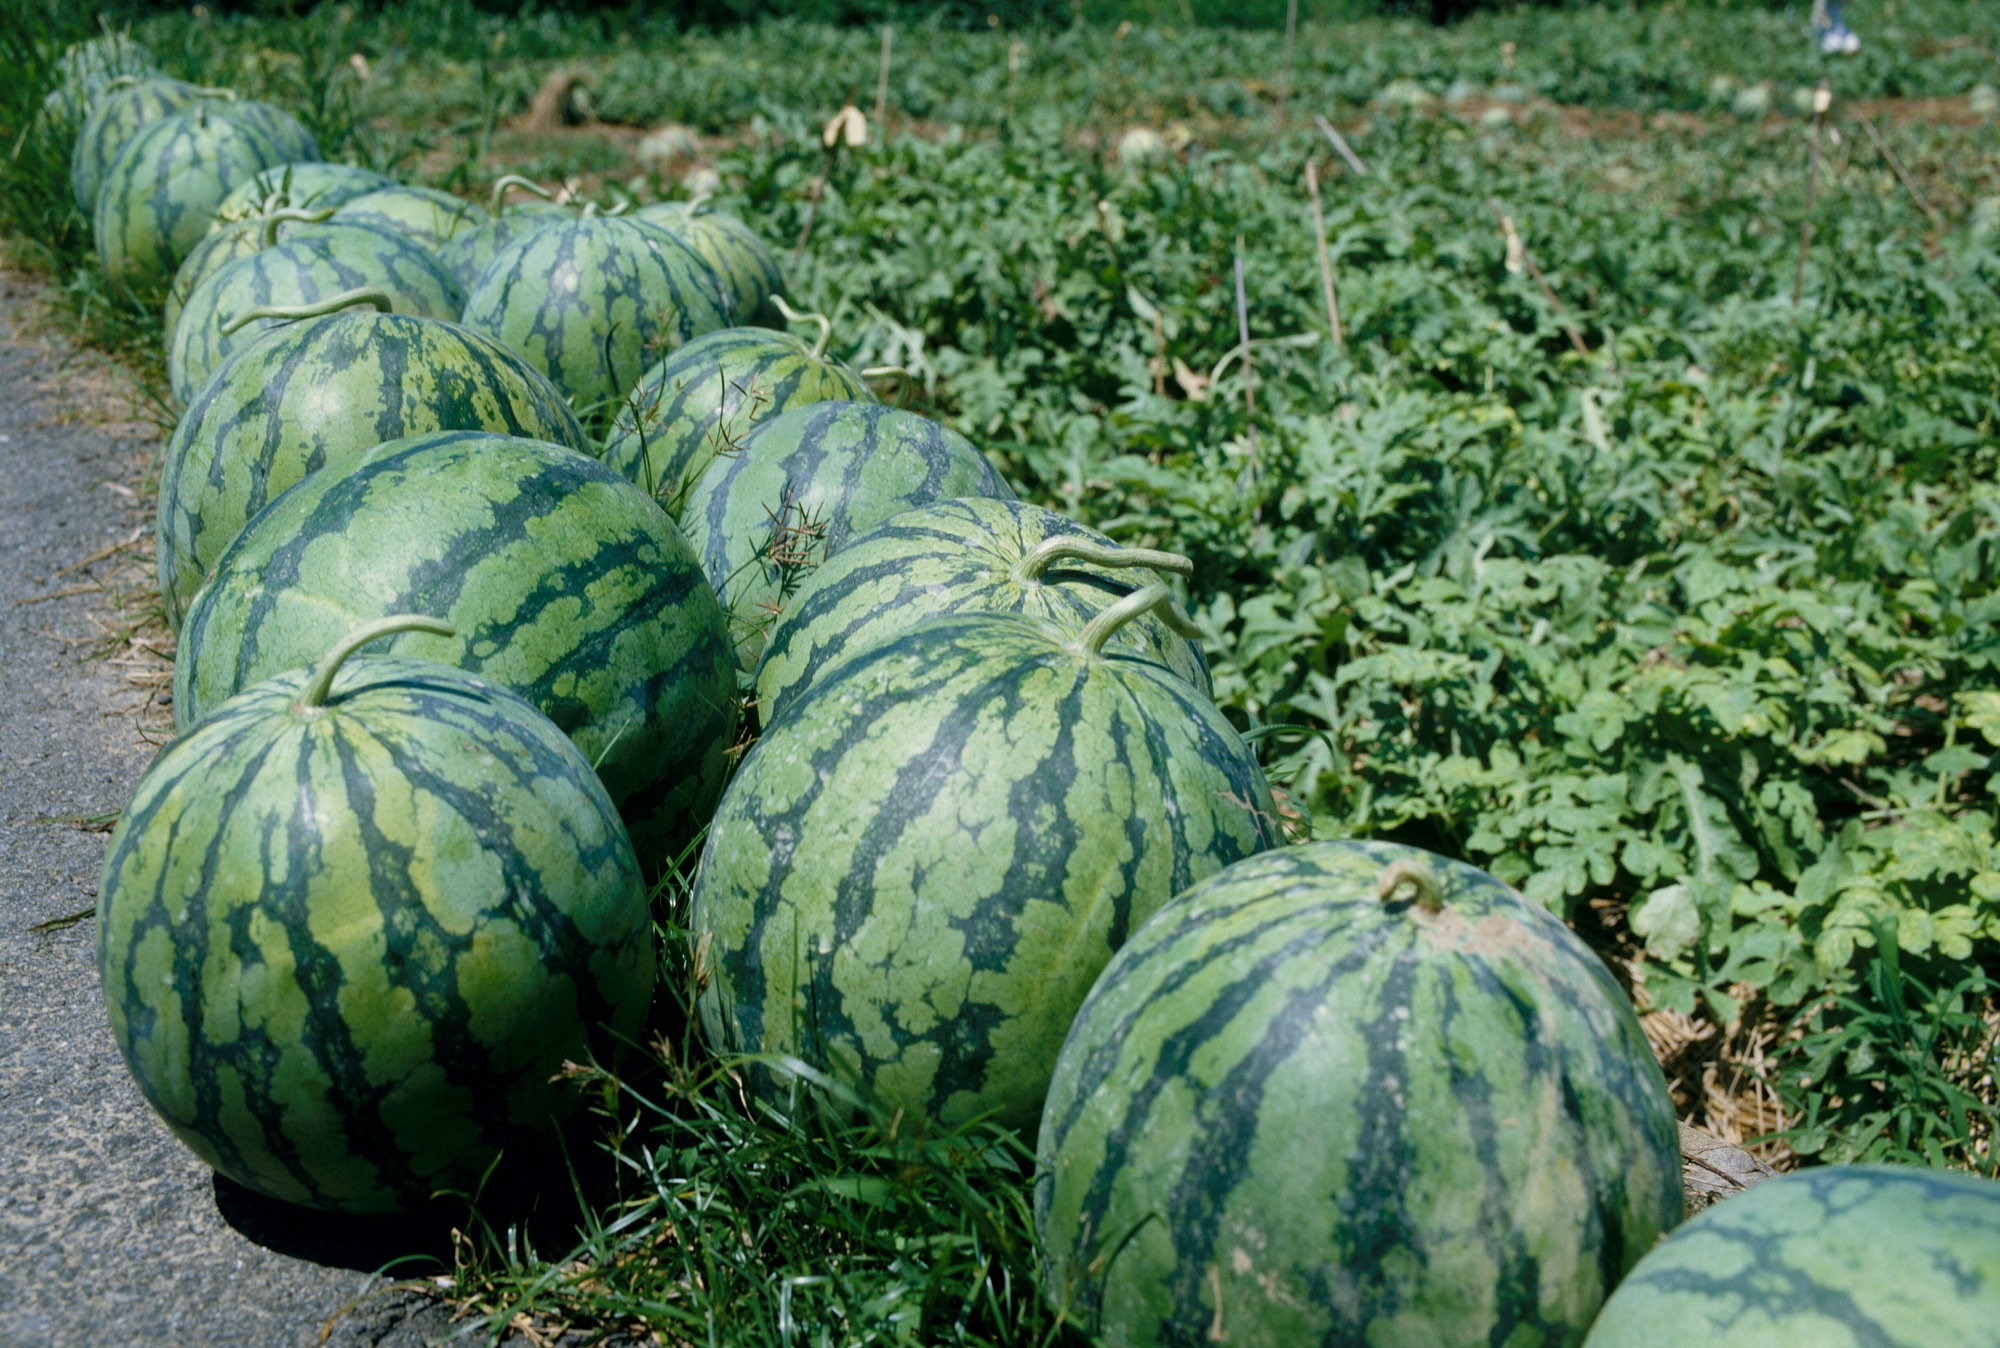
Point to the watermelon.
(114, 118)
(317, 262)
(746, 264)
(568, 584)
(307, 185)
(160, 191)
(469, 252)
(225, 243)
(422, 213)
(920, 868)
(965, 556)
(316, 391)
(1887, 1256)
(704, 398)
(85, 72)
(590, 301)
(1352, 1093)
(294, 143)
(351, 927)
(802, 485)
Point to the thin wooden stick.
(1249, 376)
(1340, 144)
(1285, 75)
(1822, 100)
(882, 85)
(1937, 222)
(1325, 258)
(1515, 242)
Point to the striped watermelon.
(588, 302)
(920, 868)
(159, 193)
(319, 261)
(746, 264)
(803, 484)
(470, 251)
(1878, 1255)
(284, 131)
(85, 72)
(972, 555)
(222, 245)
(307, 185)
(1352, 1093)
(706, 396)
(114, 118)
(422, 213)
(317, 391)
(568, 584)
(352, 926)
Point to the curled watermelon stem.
(274, 217)
(1077, 548)
(794, 316)
(507, 180)
(1414, 876)
(320, 682)
(1156, 599)
(346, 299)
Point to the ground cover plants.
(1667, 594)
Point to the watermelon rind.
(314, 263)
(161, 190)
(565, 582)
(347, 948)
(1889, 1256)
(701, 401)
(591, 301)
(961, 556)
(1352, 1093)
(802, 484)
(315, 391)
(919, 869)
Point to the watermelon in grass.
(746, 264)
(352, 926)
(1877, 1255)
(338, 380)
(972, 555)
(224, 244)
(161, 190)
(920, 868)
(591, 302)
(565, 582)
(306, 185)
(314, 264)
(114, 118)
(1353, 1093)
(802, 485)
(704, 398)
(424, 214)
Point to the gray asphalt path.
(110, 1231)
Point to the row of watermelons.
(995, 854)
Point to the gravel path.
(110, 1231)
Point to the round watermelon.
(284, 131)
(972, 555)
(590, 301)
(422, 213)
(114, 118)
(920, 868)
(1886, 1256)
(566, 584)
(469, 252)
(746, 264)
(804, 483)
(226, 242)
(307, 185)
(1352, 1093)
(319, 390)
(704, 398)
(162, 188)
(85, 72)
(352, 926)
(316, 263)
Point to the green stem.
(1076, 547)
(508, 180)
(346, 299)
(794, 316)
(291, 214)
(215, 91)
(320, 682)
(1155, 599)
(1416, 876)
